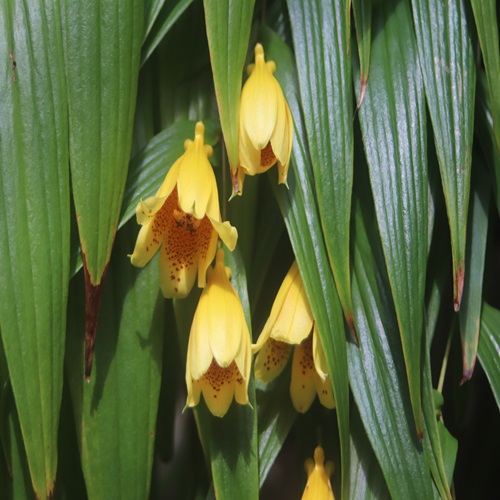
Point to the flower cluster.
(183, 222)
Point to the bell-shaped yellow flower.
(318, 485)
(184, 219)
(291, 323)
(266, 125)
(219, 353)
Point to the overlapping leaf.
(115, 414)
(485, 14)
(362, 10)
(449, 75)
(321, 41)
(393, 124)
(298, 206)
(34, 224)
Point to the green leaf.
(321, 41)
(393, 124)
(367, 480)
(489, 348)
(485, 134)
(230, 443)
(120, 403)
(34, 224)
(470, 312)
(377, 368)
(449, 445)
(228, 30)
(362, 10)
(449, 75)
(159, 17)
(102, 50)
(485, 14)
(300, 212)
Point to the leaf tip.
(350, 322)
(93, 296)
(459, 285)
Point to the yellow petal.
(282, 145)
(226, 315)
(259, 101)
(218, 386)
(302, 384)
(196, 177)
(194, 391)
(199, 355)
(271, 360)
(186, 242)
(324, 391)
(170, 181)
(227, 233)
(149, 213)
(206, 257)
(319, 355)
(318, 483)
(148, 208)
(249, 155)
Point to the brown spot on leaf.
(458, 285)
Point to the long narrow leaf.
(489, 348)
(115, 414)
(377, 370)
(321, 41)
(102, 49)
(485, 14)
(228, 30)
(449, 75)
(34, 224)
(470, 312)
(298, 206)
(362, 10)
(393, 124)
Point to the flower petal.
(199, 354)
(225, 327)
(271, 360)
(217, 386)
(148, 208)
(281, 141)
(259, 101)
(227, 233)
(319, 355)
(170, 181)
(186, 242)
(249, 154)
(318, 481)
(196, 177)
(324, 391)
(294, 320)
(302, 384)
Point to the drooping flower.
(184, 219)
(219, 352)
(318, 477)
(291, 323)
(266, 124)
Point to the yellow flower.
(219, 353)
(266, 125)
(184, 219)
(291, 323)
(318, 485)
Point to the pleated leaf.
(228, 30)
(449, 75)
(34, 224)
(115, 414)
(102, 49)
(470, 312)
(393, 124)
(298, 206)
(489, 348)
(362, 10)
(377, 370)
(485, 14)
(321, 41)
